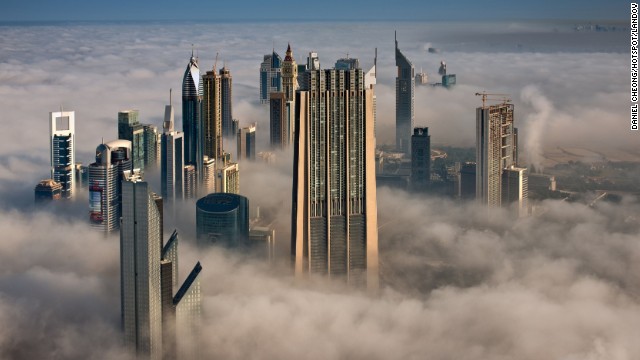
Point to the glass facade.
(222, 218)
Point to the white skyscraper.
(140, 254)
(172, 159)
(62, 150)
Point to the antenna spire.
(170, 90)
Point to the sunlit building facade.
(334, 228)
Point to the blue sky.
(46, 10)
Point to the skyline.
(69, 10)
(561, 284)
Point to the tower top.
(289, 54)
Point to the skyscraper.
(62, 150)
(222, 218)
(172, 159)
(279, 121)
(208, 176)
(226, 98)
(188, 309)
(334, 212)
(212, 114)
(405, 89)
(289, 75)
(420, 159)
(129, 128)
(270, 76)
(515, 189)
(246, 142)
(494, 150)
(228, 180)
(190, 181)
(140, 251)
(105, 183)
(192, 115)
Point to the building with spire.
(226, 99)
(270, 76)
(282, 105)
(172, 158)
(105, 183)
(62, 150)
(192, 114)
(334, 220)
(405, 94)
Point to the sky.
(43, 10)
(456, 282)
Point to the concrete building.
(334, 227)
(140, 277)
(228, 179)
(62, 150)
(405, 95)
(494, 150)
(246, 142)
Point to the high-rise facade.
(172, 159)
(279, 121)
(228, 179)
(62, 150)
(405, 93)
(494, 150)
(188, 311)
(515, 189)
(420, 159)
(140, 252)
(246, 142)
(222, 218)
(289, 75)
(105, 183)
(129, 128)
(190, 181)
(192, 93)
(226, 97)
(208, 176)
(334, 211)
(212, 114)
(270, 76)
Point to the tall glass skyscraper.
(140, 278)
(405, 93)
(62, 150)
(212, 114)
(188, 308)
(246, 143)
(105, 183)
(334, 227)
(192, 114)
(420, 159)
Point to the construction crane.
(504, 98)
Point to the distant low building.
(47, 190)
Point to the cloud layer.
(457, 282)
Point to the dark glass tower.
(192, 115)
(405, 93)
(226, 92)
(420, 159)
